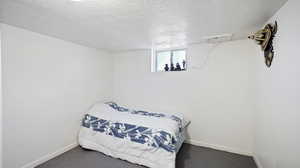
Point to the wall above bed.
(216, 93)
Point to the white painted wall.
(1, 121)
(277, 133)
(216, 94)
(47, 86)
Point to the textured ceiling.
(138, 24)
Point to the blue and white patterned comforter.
(146, 138)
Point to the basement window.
(169, 60)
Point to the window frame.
(171, 50)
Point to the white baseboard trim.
(218, 147)
(258, 163)
(50, 156)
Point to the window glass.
(169, 60)
(162, 58)
(179, 58)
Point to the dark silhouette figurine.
(166, 67)
(178, 68)
(183, 64)
(172, 67)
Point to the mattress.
(151, 139)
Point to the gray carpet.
(188, 157)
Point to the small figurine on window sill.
(183, 65)
(172, 67)
(178, 68)
(166, 67)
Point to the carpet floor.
(188, 157)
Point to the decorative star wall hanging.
(264, 38)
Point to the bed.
(140, 137)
